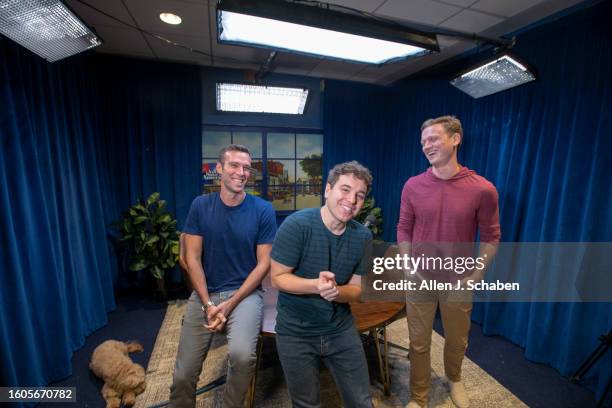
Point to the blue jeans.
(342, 354)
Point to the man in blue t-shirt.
(228, 239)
(316, 265)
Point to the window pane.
(213, 141)
(308, 196)
(281, 172)
(282, 198)
(209, 173)
(309, 171)
(281, 145)
(254, 190)
(293, 169)
(308, 145)
(256, 176)
(252, 140)
(211, 189)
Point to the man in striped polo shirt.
(316, 265)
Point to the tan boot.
(459, 395)
(413, 404)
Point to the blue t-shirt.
(230, 237)
(303, 242)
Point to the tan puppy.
(123, 379)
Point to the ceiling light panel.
(495, 76)
(264, 32)
(46, 27)
(261, 99)
(322, 32)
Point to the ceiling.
(490, 18)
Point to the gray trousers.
(243, 327)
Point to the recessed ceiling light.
(170, 18)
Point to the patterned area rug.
(483, 390)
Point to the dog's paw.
(134, 347)
(129, 399)
(113, 402)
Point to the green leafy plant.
(149, 233)
(367, 209)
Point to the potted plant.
(367, 209)
(150, 239)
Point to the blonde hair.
(450, 123)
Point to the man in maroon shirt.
(446, 204)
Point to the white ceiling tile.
(364, 5)
(377, 74)
(384, 70)
(238, 54)
(418, 11)
(123, 40)
(290, 71)
(424, 63)
(471, 21)
(148, 56)
(460, 3)
(167, 51)
(336, 69)
(94, 18)
(333, 75)
(360, 78)
(199, 24)
(504, 7)
(295, 61)
(236, 65)
(194, 16)
(446, 42)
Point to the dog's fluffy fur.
(123, 379)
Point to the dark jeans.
(342, 354)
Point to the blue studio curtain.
(80, 140)
(355, 131)
(56, 278)
(545, 145)
(152, 131)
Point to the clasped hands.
(217, 316)
(327, 286)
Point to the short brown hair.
(232, 148)
(450, 123)
(355, 168)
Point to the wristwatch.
(207, 305)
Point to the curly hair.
(355, 168)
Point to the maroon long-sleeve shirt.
(453, 210)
